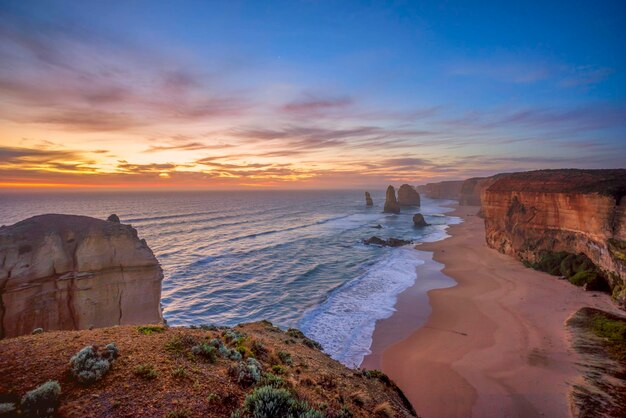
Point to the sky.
(305, 94)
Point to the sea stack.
(66, 272)
(391, 204)
(368, 199)
(419, 221)
(408, 196)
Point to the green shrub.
(613, 331)
(278, 369)
(212, 398)
(295, 333)
(577, 268)
(150, 329)
(206, 351)
(178, 344)
(377, 374)
(270, 379)
(247, 373)
(179, 413)
(146, 371)
(41, 401)
(179, 372)
(232, 336)
(271, 402)
(285, 357)
(91, 364)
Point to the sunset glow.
(228, 95)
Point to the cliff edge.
(543, 215)
(75, 272)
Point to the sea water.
(293, 258)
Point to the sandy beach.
(494, 345)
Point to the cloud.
(12, 155)
(510, 68)
(587, 75)
(314, 105)
(79, 79)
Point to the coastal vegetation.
(600, 339)
(577, 268)
(160, 374)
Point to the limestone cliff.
(368, 199)
(74, 272)
(469, 194)
(442, 190)
(574, 211)
(408, 196)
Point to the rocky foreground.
(253, 370)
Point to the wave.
(344, 323)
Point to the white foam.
(344, 323)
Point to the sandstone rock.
(391, 242)
(113, 218)
(408, 196)
(69, 272)
(419, 221)
(442, 189)
(469, 194)
(368, 199)
(391, 205)
(575, 211)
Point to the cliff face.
(442, 190)
(73, 272)
(408, 196)
(574, 211)
(469, 194)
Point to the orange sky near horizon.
(131, 97)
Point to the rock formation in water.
(542, 214)
(419, 221)
(368, 199)
(391, 242)
(442, 190)
(75, 272)
(408, 196)
(391, 204)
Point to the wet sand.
(494, 345)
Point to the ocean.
(293, 258)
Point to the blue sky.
(217, 93)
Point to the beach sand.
(494, 345)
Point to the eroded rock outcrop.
(75, 272)
(390, 242)
(408, 196)
(419, 221)
(548, 211)
(368, 199)
(391, 204)
(442, 190)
